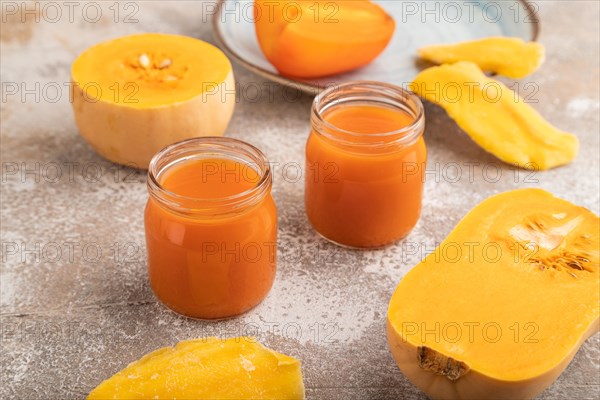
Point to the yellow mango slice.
(495, 117)
(511, 57)
(208, 368)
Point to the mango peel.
(208, 368)
(495, 117)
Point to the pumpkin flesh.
(136, 94)
(503, 304)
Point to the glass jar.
(211, 227)
(365, 164)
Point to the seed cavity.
(144, 60)
(154, 68)
(553, 242)
(164, 63)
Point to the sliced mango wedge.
(495, 117)
(209, 368)
(511, 57)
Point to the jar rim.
(220, 148)
(406, 134)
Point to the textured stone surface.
(76, 306)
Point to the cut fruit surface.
(136, 94)
(309, 39)
(495, 117)
(511, 57)
(210, 368)
(504, 303)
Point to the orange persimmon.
(309, 39)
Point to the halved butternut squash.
(506, 56)
(500, 308)
(495, 117)
(136, 94)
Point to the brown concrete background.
(76, 306)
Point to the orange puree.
(213, 255)
(368, 119)
(364, 179)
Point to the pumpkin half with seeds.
(500, 308)
(134, 95)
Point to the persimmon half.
(310, 39)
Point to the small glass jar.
(365, 164)
(211, 227)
